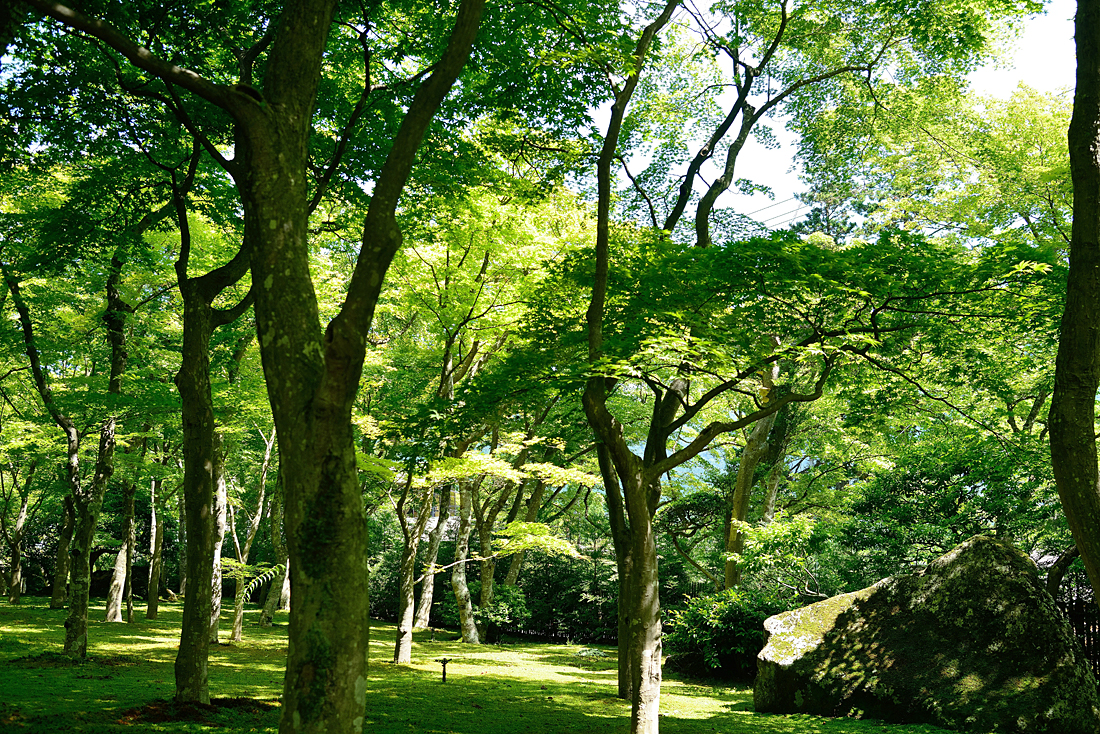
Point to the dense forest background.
(585, 378)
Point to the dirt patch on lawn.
(162, 711)
(60, 660)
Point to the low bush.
(720, 634)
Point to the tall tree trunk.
(402, 652)
(236, 632)
(778, 440)
(1077, 372)
(202, 467)
(275, 523)
(182, 543)
(243, 552)
(131, 540)
(488, 584)
(458, 575)
(487, 574)
(632, 531)
(15, 537)
(202, 449)
(156, 549)
(15, 574)
(411, 531)
(746, 472)
(435, 537)
(131, 531)
(311, 376)
(120, 576)
(117, 588)
(644, 623)
(221, 501)
(624, 566)
(771, 493)
(88, 504)
(59, 589)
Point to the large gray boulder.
(973, 642)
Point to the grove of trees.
(440, 312)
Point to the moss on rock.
(972, 642)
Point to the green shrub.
(508, 612)
(720, 634)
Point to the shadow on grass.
(490, 690)
(574, 659)
(480, 704)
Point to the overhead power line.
(784, 214)
(769, 206)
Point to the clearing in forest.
(508, 689)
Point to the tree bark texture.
(311, 377)
(203, 518)
(156, 549)
(632, 511)
(59, 589)
(243, 552)
(199, 492)
(406, 606)
(117, 588)
(435, 537)
(1077, 371)
(220, 508)
(120, 576)
(278, 544)
(411, 531)
(14, 536)
(458, 575)
(88, 503)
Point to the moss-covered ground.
(127, 682)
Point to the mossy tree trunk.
(13, 533)
(220, 518)
(278, 544)
(121, 588)
(1077, 372)
(412, 528)
(244, 551)
(435, 537)
(312, 376)
(458, 574)
(202, 461)
(156, 546)
(59, 588)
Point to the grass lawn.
(554, 689)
